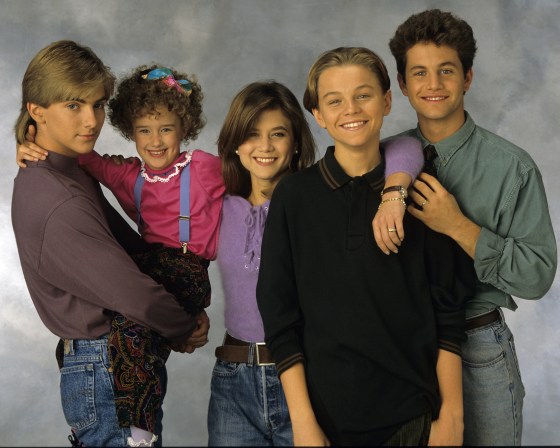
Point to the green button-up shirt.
(499, 187)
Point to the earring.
(237, 151)
(296, 151)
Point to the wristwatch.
(399, 188)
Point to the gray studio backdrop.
(227, 44)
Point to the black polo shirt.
(366, 325)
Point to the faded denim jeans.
(492, 387)
(86, 391)
(247, 407)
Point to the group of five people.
(328, 340)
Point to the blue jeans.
(86, 391)
(492, 387)
(247, 407)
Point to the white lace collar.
(171, 172)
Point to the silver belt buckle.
(258, 344)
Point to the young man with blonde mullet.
(76, 272)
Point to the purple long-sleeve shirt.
(239, 254)
(75, 270)
(239, 245)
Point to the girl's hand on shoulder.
(118, 159)
(387, 224)
(28, 150)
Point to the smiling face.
(158, 138)
(268, 149)
(351, 106)
(435, 86)
(70, 127)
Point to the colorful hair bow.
(166, 76)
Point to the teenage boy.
(75, 270)
(489, 197)
(367, 347)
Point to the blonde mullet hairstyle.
(62, 71)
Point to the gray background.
(228, 44)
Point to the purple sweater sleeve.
(403, 154)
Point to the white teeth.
(156, 153)
(353, 125)
(263, 160)
(435, 98)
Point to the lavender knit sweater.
(239, 254)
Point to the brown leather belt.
(484, 319)
(235, 350)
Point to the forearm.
(465, 233)
(448, 429)
(306, 429)
(297, 396)
(449, 374)
(399, 178)
(404, 160)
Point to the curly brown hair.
(438, 27)
(137, 97)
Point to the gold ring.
(392, 229)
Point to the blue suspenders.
(185, 205)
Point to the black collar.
(335, 177)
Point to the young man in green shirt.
(489, 197)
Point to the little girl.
(176, 198)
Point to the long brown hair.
(245, 110)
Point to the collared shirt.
(367, 326)
(499, 187)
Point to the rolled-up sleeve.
(520, 259)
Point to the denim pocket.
(78, 395)
(226, 369)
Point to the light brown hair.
(343, 56)
(62, 71)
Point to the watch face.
(403, 192)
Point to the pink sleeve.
(119, 179)
(209, 173)
(403, 154)
(207, 192)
